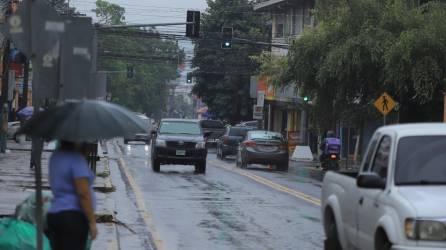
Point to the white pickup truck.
(398, 199)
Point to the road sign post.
(257, 112)
(385, 104)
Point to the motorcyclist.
(330, 145)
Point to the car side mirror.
(371, 181)
(207, 134)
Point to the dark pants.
(68, 230)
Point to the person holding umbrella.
(71, 215)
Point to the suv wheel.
(200, 168)
(156, 166)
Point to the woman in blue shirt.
(71, 215)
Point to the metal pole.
(25, 85)
(4, 97)
(37, 145)
(385, 120)
(348, 146)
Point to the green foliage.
(273, 67)
(364, 47)
(146, 92)
(223, 75)
(109, 13)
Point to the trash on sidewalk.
(16, 234)
(25, 210)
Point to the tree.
(362, 48)
(223, 75)
(146, 91)
(109, 13)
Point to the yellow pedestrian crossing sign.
(385, 104)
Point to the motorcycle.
(330, 162)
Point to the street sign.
(261, 98)
(257, 112)
(77, 58)
(385, 104)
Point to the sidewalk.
(17, 183)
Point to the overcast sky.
(148, 11)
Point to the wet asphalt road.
(224, 209)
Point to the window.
(265, 135)
(368, 158)
(280, 27)
(421, 160)
(241, 132)
(381, 161)
(177, 127)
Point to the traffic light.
(306, 99)
(130, 72)
(227, 34)
(189, 78)
(193, 26)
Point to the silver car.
(263, 147)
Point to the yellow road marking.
(271, 184)
(140, 204)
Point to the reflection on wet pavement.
(223, 210)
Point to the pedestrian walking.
(71, 215)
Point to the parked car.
(13, 127)
(251, 124)
(214, 128)
(144, 137)
(263, 147)
(229, 142)
(397, 201)
(179, 141)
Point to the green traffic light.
(306, 98)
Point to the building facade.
(284, 108)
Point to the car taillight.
(250, 143)
(333, 157)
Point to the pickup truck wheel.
(332, 241)
(156, 166)
(382, 242)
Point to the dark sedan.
(263, 147)
(229, 142)
(179, 141)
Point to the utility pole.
(4, 96)
(25, 85)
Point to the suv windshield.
(174, 127)
(421, 161)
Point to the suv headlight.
(425, 230)
(200, 145)
(160, 143)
